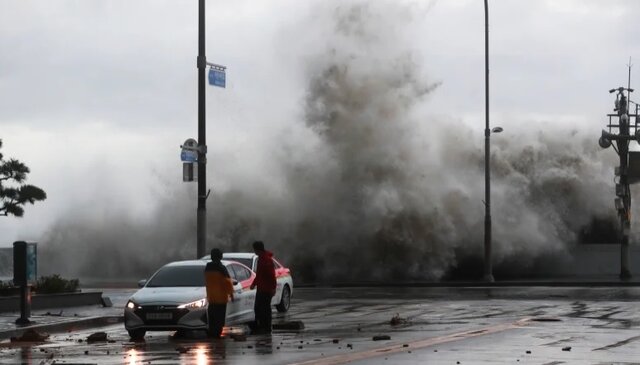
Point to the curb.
(48, 301)
(67, 326)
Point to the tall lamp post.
(201, 217)
(488, 268)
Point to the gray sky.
(96, 96)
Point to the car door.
(244, 298)
(233, 307)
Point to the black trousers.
(262, 309)
(216, 314)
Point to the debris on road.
(567, 348)
(335, 340)
(546, 319)
(97, 337)
(238, 337)
(381, 338)
(397, 320)
(288, 326)
(31, 335)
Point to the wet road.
(434, 325)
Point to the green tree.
(14, 193)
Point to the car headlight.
(132, 305)
(197, 304)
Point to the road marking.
(403, 347)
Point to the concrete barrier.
(45, 301)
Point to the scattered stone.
(239, 337)
(409, 351)
(317, 340)
(112, 341)
(405, 345)
(528, 351)
(546, 319)
(106, 302)
(80, 340)
(350, 346)
(457, 362)
(30, 335)
(300, 347)
(97, 337)
(381, 338)
(397, 320)
(86, 352)
(288, 326)
(249, 347)
(435, 350)
(567, 348)
(335, 340)
(277, 347)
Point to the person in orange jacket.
(219, 291)
(265, 282)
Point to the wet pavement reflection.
(421, 326)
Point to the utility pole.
(488, 269)
(625, 174)
(201, 218)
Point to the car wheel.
(285, 301)
(137, 334)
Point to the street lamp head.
(496, 130)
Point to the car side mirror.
(142, 283)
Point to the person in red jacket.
(265, 282)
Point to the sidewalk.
(68, 319)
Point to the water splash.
(371, 187)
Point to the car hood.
(169, 295)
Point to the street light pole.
(201, 218)
(488, 270)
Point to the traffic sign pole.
(201, 217)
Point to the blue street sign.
(189, 156)
(217, 77)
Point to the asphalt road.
(434, 326)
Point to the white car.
(284, 286)
(284, 282)
(175, 298)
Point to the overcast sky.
(96, 96)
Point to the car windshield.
(246, 262)
(192, 275)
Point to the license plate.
(156, 316)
